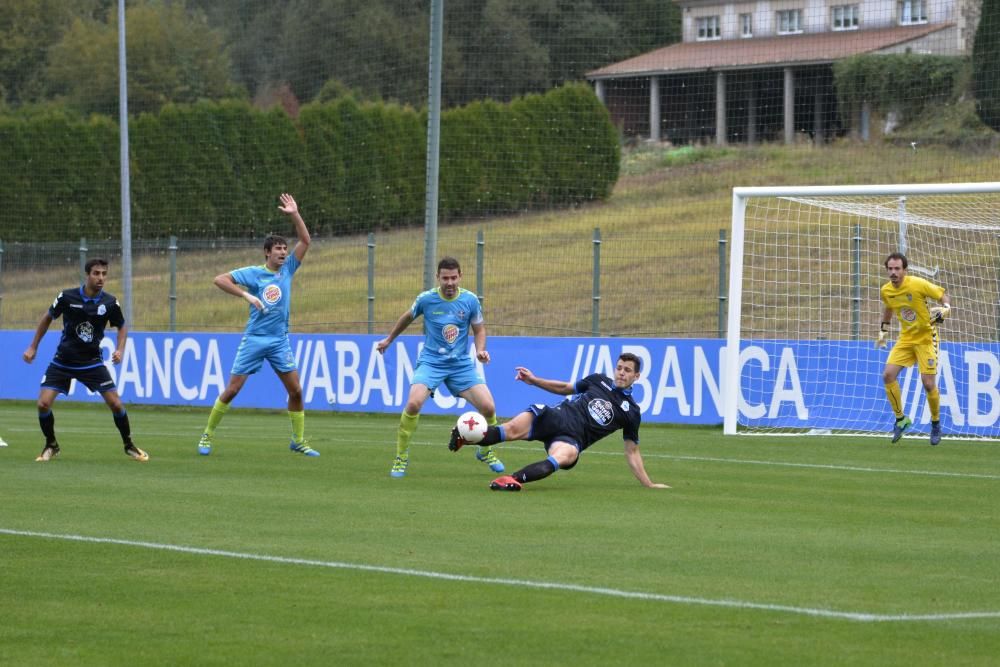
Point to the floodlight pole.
(433, 141)
(126, 201)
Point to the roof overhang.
(758, 53)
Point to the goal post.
(806, 266)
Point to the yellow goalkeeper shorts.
(924, 354)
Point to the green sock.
(215, 416)
(407, 425)
(298, 425)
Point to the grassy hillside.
(659, 251)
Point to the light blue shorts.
(457, 377)
(253, 350)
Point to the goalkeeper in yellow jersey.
(907, 296)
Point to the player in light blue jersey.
(449, 312)
(268, 290)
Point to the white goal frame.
(741, 195)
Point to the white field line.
(864, 617)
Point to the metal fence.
(531, 281)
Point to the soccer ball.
(472, 427)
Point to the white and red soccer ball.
(472, 427)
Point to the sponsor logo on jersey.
(601, 411)
(75, 305)
(907, 314)
(85, 332)
(271, 295)
(450, 333)
(606, 385)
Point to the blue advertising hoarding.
(784, 383)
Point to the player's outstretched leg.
(899, 427)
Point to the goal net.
(806, 266)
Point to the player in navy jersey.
(86, 310)
(449, 312)
(268, 290)
(600, 407)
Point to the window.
(746, 25)
(912, 11)
(789, 21)
(845, 17)
(708, 28)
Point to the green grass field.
(766, 551)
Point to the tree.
(27, 29)
(172, 56)
(986, 64)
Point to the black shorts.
(95, 379)
(552, 424)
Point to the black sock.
(535, 471)
(492, 437)
(48, 423)
(121, 421)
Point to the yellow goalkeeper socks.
(407, 425)
(219, 410)
(934, 403)
(895, 399)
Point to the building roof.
(813, 48)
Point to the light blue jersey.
(274, 289)
(446, 324)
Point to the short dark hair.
(449, 263)
(94, 261)
(274, 240)
(896, 255)
(628, 356)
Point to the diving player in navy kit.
(600, 407)
(86, 310)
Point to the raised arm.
(399, 327)
(634, 460)
(290, 208)
(555, 386)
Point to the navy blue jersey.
(600, 408)
(84, 319)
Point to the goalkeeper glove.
(938, 313)
(883, 336)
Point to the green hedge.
(907, 83)
(214, 169)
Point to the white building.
(746, 71)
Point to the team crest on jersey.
(450, 333)
(85, 332)
(271, 295)
(101, 309)
(601, 411)
(907, 314)
(625, 406)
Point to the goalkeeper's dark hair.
(896, 255)
(449, 263)
(628, 356)
(274, 240)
